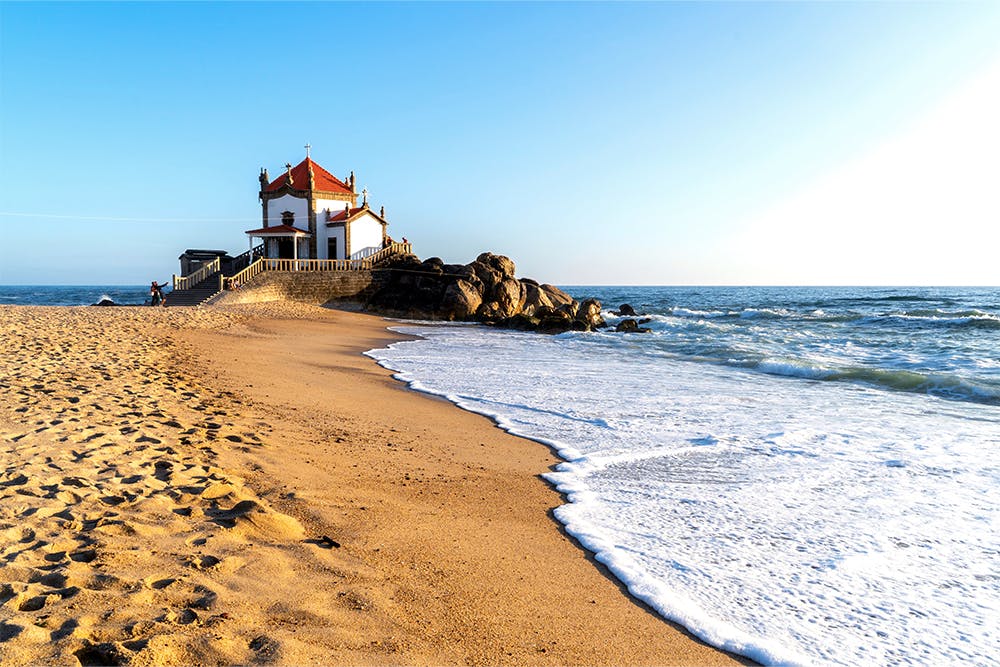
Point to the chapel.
(308, 213)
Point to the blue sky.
(653, 143)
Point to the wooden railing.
(239, 279)
(270, 264)
(245, 259)
(189, 281)
(389, 251)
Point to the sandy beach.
(242, 485)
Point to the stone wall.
(306, 286)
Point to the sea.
(72, 295)
(798, 475)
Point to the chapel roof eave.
(338, 219)
(278, 230)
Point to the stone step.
(189, 297)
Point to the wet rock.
(629, 325)
(625, 310)
(589, 313)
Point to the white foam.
(790, 521)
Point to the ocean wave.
(894, 298)
(975, 319)
(940, 385)
(678, 311)
(765, 313)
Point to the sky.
(664, 143)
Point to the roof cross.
(364, 193)
(307, 149)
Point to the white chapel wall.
(335, 233)
(366, 236)
(300, 207)
(322, 233)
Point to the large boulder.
(461, 300)
(485, 290)
(538, 296)
(589, 314)
(508, 295)
(502, 265)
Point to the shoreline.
(298, 505)
(684, 648)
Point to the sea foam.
(788, 520)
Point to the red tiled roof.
(277, 230)
(324, 181)
(340, 216)
(343, 214)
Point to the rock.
(460, 302)
(538, 296)
(630, 326)
(625, 310)
(105, 302)
(502, 265)
(485, 290)
(432, 265)
(555, 322)
(589, 313)
(509, 297)
(487, 274)
(535, 299)
(557, 296)
(522, 322)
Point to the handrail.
(389, 251)
(245, 259)
(312, 265)
(239, 279)
(190, 280)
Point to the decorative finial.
(352, 181)
(264, 180)
(347, 210)
(307, 150)
(381, 212)
(288, 173)
(364, 198)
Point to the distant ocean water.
(72, 295)
(800, 475)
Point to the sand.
(241, 485)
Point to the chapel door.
(286, 249)
(331, 248)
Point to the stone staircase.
(195, 295)
(210, 277)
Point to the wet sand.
(241, 485)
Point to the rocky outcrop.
(486, 290)
(628, 325)
(625, 310)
